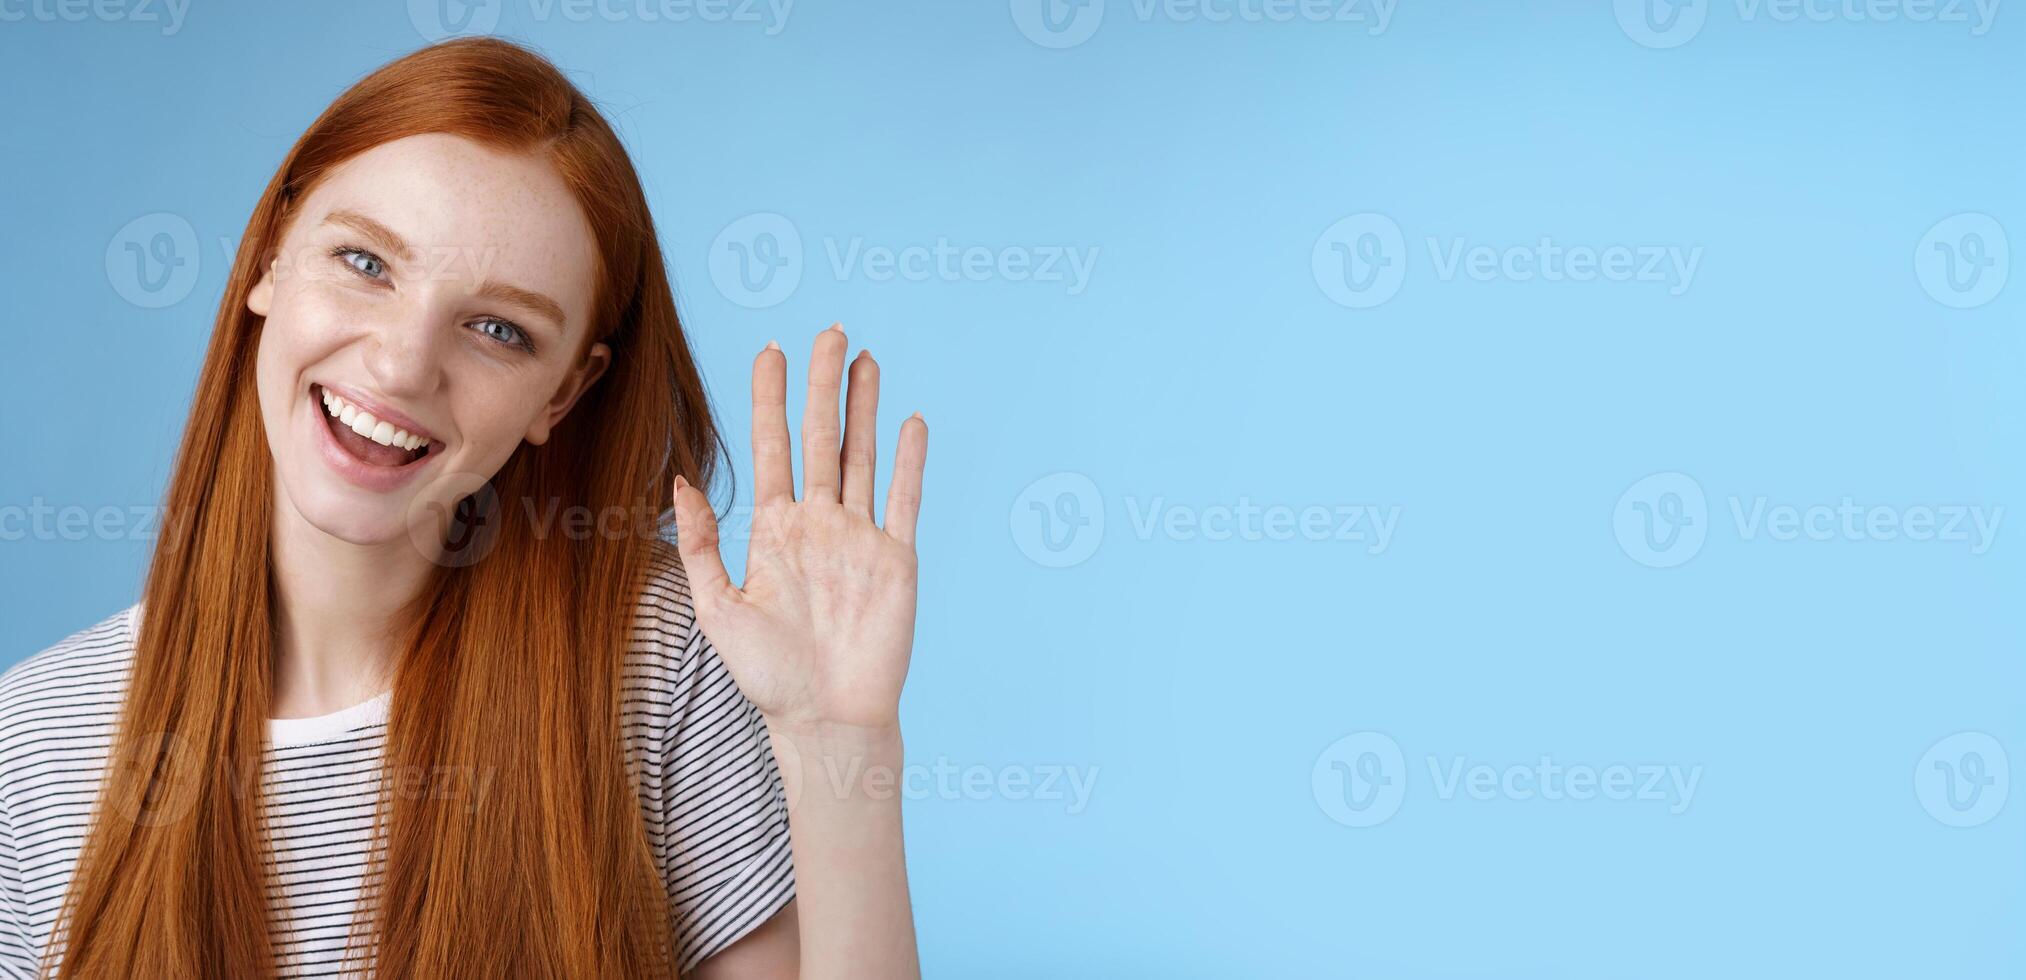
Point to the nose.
(404, 354)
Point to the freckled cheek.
(289, 337)
(319, 316)
(274, 370)
(280, 364)
(491, 425)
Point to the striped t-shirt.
(716, 817)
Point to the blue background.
(1205, 678)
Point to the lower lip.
(356, 471)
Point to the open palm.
(820, 633)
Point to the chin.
(359, 518)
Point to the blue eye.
(361, 261)
(504, 332)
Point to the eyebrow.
(391, 242)
(506, 293)
(380, 235)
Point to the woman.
(415, 688)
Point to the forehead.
(473, 212)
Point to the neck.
(337, 615)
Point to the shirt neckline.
(285, 732)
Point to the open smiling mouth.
(367, 439)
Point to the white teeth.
(363, 423)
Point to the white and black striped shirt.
(716, 816)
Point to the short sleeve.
(724, 816)
(18, 955)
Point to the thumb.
(696, 540)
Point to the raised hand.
(819, 635)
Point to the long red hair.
(515, 664)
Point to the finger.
(904, 494)
(773, 472)
(861, 434)
(819, 416)
(696, 540)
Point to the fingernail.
(919, 416)
(773, 345)
(680, 482)
(863, 353)
(839, 327)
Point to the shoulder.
(70, 690)
(664, 617)
(679, 690)
(665, 650)
(712, 793)
(97, 653)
